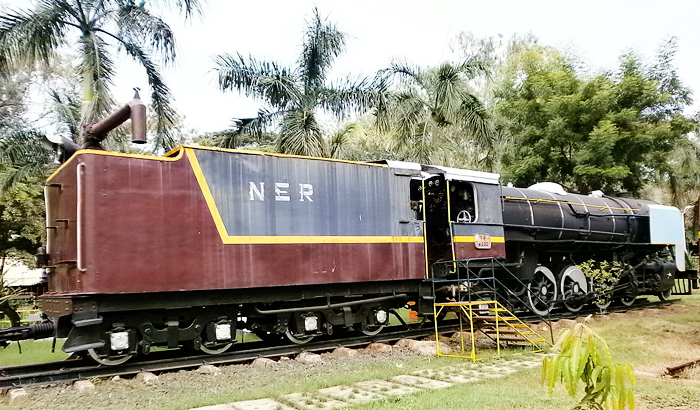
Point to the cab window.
(462, 202)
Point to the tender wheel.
(108, 360)
(542, 291)
(298, 339)
(218, 349)
(665, 295)
(297, 326)
(217, 337)
(374, 322)
(573, 284)
(371, 330)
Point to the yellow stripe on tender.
(201, 180)
(233, 239)
(470, 239)
(168, 157)
(177, 152)
(280, 155)
(320, 239)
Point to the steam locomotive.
(184, 249)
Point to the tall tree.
(436, 112)
(294, 96)
(612, 132)
(93, 28)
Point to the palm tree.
(28, 37)
(436, 114)
(295, 96)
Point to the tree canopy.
(610, 132)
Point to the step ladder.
(491, 319)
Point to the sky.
(419, 32)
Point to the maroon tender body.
(145, 226)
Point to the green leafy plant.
(604, 275)
(584, 358)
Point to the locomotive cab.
(461, 221)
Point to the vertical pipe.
(80, 198)
(49, 220)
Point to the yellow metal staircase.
(491, 319)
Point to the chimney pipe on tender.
(95, 133)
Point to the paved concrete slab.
(350, 394)
(215, 407)
(420, 382)
(386, 388)
(262, 404)
(453, 376)
(309, 401)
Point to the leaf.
(552, 377)
(630, 399)
(545, 366)
(630, 375)
(564, 340)
(573, 366)
(595, 376)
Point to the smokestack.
(138, 119)
(135, 109)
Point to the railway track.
(77, 369)
(171, 360)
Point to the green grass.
(33, 351)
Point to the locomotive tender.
(184, 249)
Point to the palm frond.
(323, 42)
(448, 93)
(407, 73)
(473, 68)
(265, 120)
(264, 80)
(409, 112)
(340, 139)
(301, 134)
(67, 110)
(138, 26)
(351, 97)
(29, 37)
(190, 8)
(97, 70)
(22, 157)
(477, 122)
